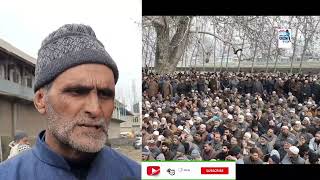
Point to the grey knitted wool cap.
(69, 46)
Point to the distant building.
(136, 108)
(133, 122)
(17, 111)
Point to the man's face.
(24, 140)
(206, 147)
(202, 129)
(144, 157)
(225, 149)
(270, 132)
(217, 137)
(285, 131)
(152, 145)
(79, 106)
(246, 138)
(225, 113)
(296, 127)
(155, 126)
(317, 137)
(233, 141)
(263, 141)
(302, 140)
(164, 148)
(226, 132)
(216, 123)
(206, 112)
(286, 146)
(255, 156)
(291, 155)
(269, 110)
(197, 137)
(175, 141)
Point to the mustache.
(81, 120)
(101, 123)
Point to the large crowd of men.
(252, 118)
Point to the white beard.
(63, 130)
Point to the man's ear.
(39, 101)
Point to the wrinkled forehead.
(90, 75)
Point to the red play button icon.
(153, 170)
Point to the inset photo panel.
(231, 88)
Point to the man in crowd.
(20, 144)
(207, 153)
(293, 157)
(314, 144)
(253, 158)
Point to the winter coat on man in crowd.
(293, 157)
(207, 152)
(153, 88)
(167, 89)
(314, 143)
(257, 87)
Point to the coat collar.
(46, 155)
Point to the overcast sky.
(24, 24)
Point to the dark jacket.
(207, 155)
(306, 90)
(42, 163)
(248, 160)
(257, 87)
(169, 155)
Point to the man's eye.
(78, 91)
(106, 94)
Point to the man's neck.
(65, 150)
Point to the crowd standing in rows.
(253, 118)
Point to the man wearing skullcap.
(293, 157)
(283, 136)
(264, 145)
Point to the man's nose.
(93, 106)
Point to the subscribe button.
(214, 170)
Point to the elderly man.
(203, 132)
(284, 135)
(293, 157)
(264, 144)
(74, 88)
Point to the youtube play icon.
(153, 170)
